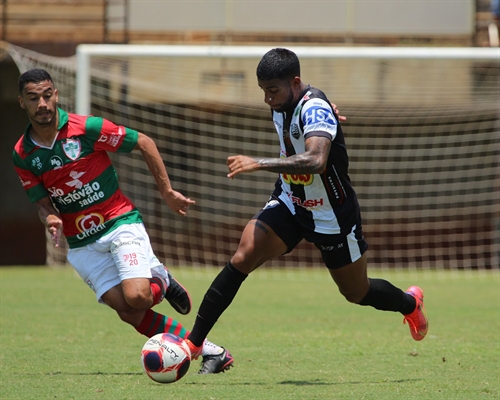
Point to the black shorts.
(336, 250)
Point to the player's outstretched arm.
(312, 161)
(175, 200)
(50, 218)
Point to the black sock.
(218, 297)
(383, 295)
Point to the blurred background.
(54, 28)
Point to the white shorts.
(123, 253)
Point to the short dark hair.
(33, 75)
(278, 63)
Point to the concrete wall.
(361, 82)
(378, 17)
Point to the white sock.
(210, 349)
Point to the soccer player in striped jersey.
(313, 200)
(63, 164)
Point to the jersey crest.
(72, 148)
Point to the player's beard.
(288, 104)
(45, 120)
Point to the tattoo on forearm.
(295, 164)
(303, 163)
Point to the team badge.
(72, 148)
(295, 131)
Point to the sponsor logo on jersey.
(114, 247)
(55, 192)
(56, 162)
(321, 126)
(314, 115)
(89, 224)
(310, 203)
(72, 148)
(75, 182)
(36, 163)
(24, 183)
(298, 179)
(85, 195)
(113, 139)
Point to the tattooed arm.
(312, 161)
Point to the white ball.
(165, 358)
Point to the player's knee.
(140, 300)
(354, 297)
(137, 293)
(242, 262)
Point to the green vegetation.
(292, 335)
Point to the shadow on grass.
(93, 373)
(320, 383)
(312, 383)
(292, 383)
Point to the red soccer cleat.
(417, 320)
(195, 350)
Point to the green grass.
(293, 337)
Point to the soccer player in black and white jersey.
(313, 200)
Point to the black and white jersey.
(323, 203)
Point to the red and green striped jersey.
(78, 175)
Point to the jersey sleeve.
(318, 119)
(108, 136)
(31, 183)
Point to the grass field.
(292, 335)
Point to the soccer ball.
(165, 358)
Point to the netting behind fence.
(423, 137)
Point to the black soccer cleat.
(177, 296)
(214, 364)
